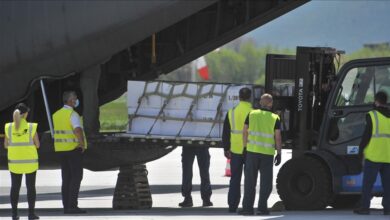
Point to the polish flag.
(202, 68)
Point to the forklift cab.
(323, 120)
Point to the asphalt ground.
(165, 181)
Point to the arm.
(80, 137)
(226, 134)
(366, 134)
(36, 141)
(278, 141)
(245, 136)
(5, 142)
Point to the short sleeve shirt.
(74, 118)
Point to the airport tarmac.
(165, 181)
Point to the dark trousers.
(72, 174)
(237, 162)
(187, 160)
(370, 172)
(254, 163)
(16, 182)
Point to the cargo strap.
(219, 114)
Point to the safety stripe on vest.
(260, 134)
(377, 135)
(63, 132)
(261, 144)
(20, 144)
(236, 131)
(23, 161)
(66, 140)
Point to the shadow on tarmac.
(155, 190)
(197, 211)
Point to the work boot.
(232, 210)
(207, 203)
(76, 210)
(362, 211)
(15, 215)
(32, 216)
(246, 212)
(186, 203)
(262, 212)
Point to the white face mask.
(77, 103)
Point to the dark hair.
(381, 97)
(67, 94)
(23, 108)
(245, 94)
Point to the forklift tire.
(345, 201)
(304, 183)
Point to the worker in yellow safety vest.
(232, 143)
(376, 144)
(21, 141)
(261, 136)
(70, 143)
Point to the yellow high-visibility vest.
(261, 132)
(378, 148)
(237, 118)
(22, 153)
(64, 137)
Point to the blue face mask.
(77, 103)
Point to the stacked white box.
(164, 108)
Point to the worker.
(375, 144)
(382, 79)
(261, 135)
(70, 143)
(21, 140)
(187, 159)
(232, 144)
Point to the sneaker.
(75, 211)
(186, 203)
(207, 203)
(245, 212)
(32, 216)
(361, 211)
(262, 212)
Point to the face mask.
(77, 103)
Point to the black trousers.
(187, 158)
(72, 174)
(16, 182)
(370, 172)
(236, 165)
(255, 163)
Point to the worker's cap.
(22, 108)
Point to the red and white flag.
(201, 67)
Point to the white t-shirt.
(74, 118)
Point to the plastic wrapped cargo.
(180, 110)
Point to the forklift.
(323, 115)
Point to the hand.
(244, 152)
(82, 147)
(278, 159)
(228, 154)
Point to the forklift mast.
(300, 86)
